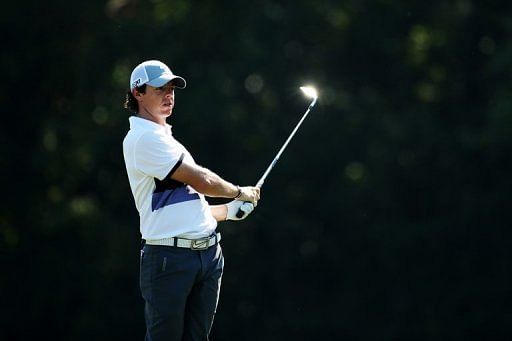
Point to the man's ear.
(136, 93)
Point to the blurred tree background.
(386, 219)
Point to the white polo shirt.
(167, 208)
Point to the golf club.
(310, 92)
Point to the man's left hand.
(235, 205)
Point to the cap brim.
(178, 81)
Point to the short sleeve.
(157, 155)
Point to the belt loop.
(175, 241)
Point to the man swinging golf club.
(181, 261)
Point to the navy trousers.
(181, 290)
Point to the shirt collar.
(137, 122)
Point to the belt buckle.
(200, 244)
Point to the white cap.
(154, 73)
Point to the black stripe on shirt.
(167, 182)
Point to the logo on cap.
(136, 83)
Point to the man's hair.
(131, 103)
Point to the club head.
(309, 91)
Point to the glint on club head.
(309, 91)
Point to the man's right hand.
(250, 194)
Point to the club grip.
(240, 213)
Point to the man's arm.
(210, 184)
(230, 210)
(219, 212)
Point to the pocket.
(164, 264)
(145, 272)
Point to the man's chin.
(166, 113)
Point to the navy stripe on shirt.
(169, 191)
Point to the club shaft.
(278, 155)
(260, 182)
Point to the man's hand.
(250, 194)
(235, 205)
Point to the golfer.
(181, 261)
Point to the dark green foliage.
(386, 219)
